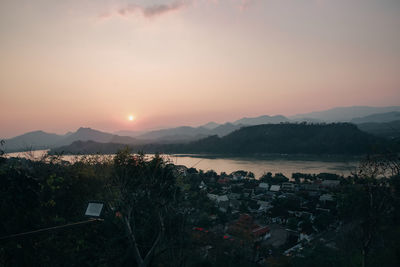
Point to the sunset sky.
(72, 63)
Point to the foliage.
(39, 194)
(147, 200)
(278, 178)
(369, 207)
(153, 209)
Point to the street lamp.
(94, 209)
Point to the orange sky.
(66, 64)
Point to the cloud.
(156, 10)
(153, 10)
(245, 4)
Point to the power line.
(49, 229)
(196, 163)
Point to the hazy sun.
(130, 117)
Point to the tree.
(2, 159)
(41, 194)
(368, 204)
(147, 190)
(278, 178)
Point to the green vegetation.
(339, 138)
(160, 214)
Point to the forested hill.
(337, 138)
(285, 138)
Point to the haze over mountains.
(344, 114)
(43, 140)
(381, 121)
(265, 139)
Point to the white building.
(275, 188)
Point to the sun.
(131, 118)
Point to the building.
(245, 228)
(275, 188)
(330, 183)
(326, 197)
(287, 186)
(264, 186)
(202, 186)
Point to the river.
(258, 165)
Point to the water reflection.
(258, 166)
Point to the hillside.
(185, 134)
(344, 114)
(388, 130)
(378, 117)
(339, 138)
(88, 134)
(42, 140)
(32, 140)
(265, 119)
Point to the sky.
(71, 63)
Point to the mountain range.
(344, 114)
(380, 121)
(42, 140)
(286, 138)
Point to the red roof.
(223, 180)
(261, 230)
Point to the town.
(272, 215)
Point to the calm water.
(258, 166)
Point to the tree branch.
(158, 239)
(136, 251)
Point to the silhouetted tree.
(368, 205)
(147, 189)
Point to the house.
(311, 187)
(212, 197)
(305, 237)
(287, 186)
(222, 201)
(264, 205)
(330, 183)
(275, 188)
(246, 229)
(264, 186)
(233, 196)
(223, 206)
(261, 233)
(202, 186)
(278, 220)
(237, 177)
(305, 215)
(258, 196)
(223, 180)
(287, 195)
(223, 198)
(225, 188)
(326, 197)
(293, 250)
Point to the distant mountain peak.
(85, 129)
(210, 125)
(345, 114)
(264, 119)
(378, 117)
